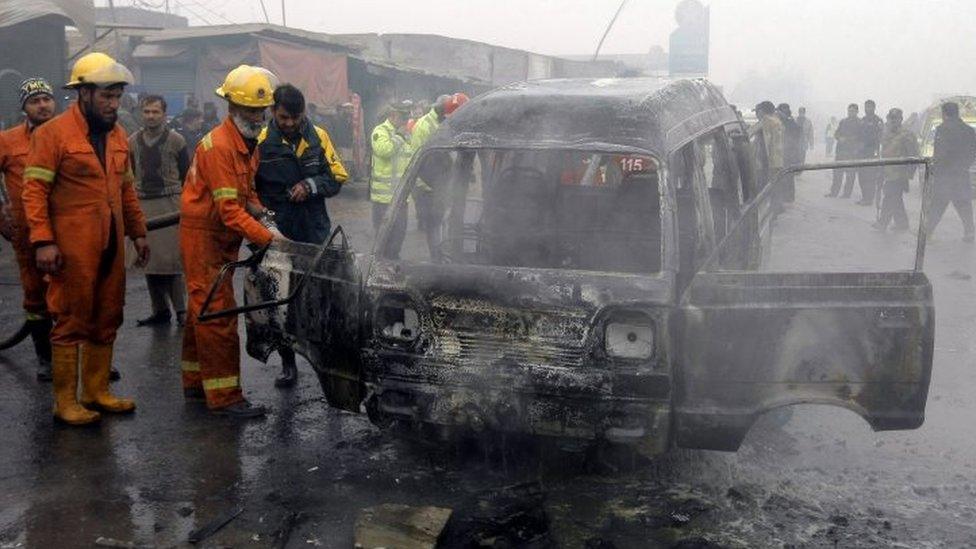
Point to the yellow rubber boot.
(96, 363)
(64, 377)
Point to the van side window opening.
(552, 209)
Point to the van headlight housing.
(397, 320)
(630, 337)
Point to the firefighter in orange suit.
(219, 208)
(37, 102)
(80, 203)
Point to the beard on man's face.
(100, 122)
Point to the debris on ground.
(512, 516)
(102, 541)
(211, 527)
(400, 526)
(283, 533)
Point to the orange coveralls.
(213, 223)
(87, 210)
(13, 157)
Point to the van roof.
(652, 114)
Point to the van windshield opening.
(551, 209)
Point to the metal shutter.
(169, 78)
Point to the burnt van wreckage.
(591, 274)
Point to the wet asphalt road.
(823, 479)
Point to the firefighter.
(299, 169)
(219, 208)
(37, 103)
(391, 154)
(80, 202)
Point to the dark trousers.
(166, 290)
(397, 233)
(893, 204)
(787, 188)
(869, 180)
(964, 207)
(845, 177)
(430, 214)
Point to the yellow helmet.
(249, 86)
(98, 69)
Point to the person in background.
(848, 137)
(191, 129)
(872, 128)
(807, 128)
(314, 116)
(829, 136)
(127, 114)
(38, 105)
(435, 170)
(160, 162)
(897, 142)
(192, 102)
(953, 155)
(391, 154)
(913, 124)
(342, 132)
(210, 118)
(299, 170)
(793, 149)
(768, 142)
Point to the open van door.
(306, 297)
(749, 342)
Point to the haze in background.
(903, 52)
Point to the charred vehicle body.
(590, 273)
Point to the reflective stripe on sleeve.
(39, 173)
(190, 366)
(231, 382)
(224, 193)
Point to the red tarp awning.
(321, 75)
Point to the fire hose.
(153, 224)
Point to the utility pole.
(265, 10)
(610, 26)
(284, 21)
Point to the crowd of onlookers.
(780, 140)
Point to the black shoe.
(194, 393)
(156, 319)
(181, 318)
(43, 370)
(114, 375)
(241, 410)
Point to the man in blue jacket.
(299, 169)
